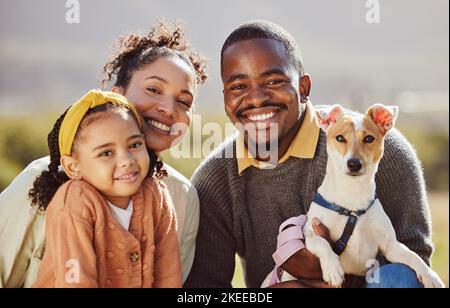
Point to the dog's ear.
(326, 117)
(383, 116)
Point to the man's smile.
(262, 116)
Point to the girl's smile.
(113, 160)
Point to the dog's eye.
(340, 138)
(369, 139)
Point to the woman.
(160, 74)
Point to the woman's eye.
(153, 90)
(369, 139)
(106, 154)
(184, 103)
(340, 138)
(136, 145)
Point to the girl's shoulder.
(77, 198)
(154, 189)
(154, 186)
(78, 188)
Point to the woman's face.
(163, 92)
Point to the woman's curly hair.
(48, 182)
(133, 51)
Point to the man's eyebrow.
(157, 78)
(275, 71)
(235, 77)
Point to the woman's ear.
(70, 166)
(118, 90)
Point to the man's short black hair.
(266, 30)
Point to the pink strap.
(289, 241)
(296, 221)
(286, 251)
(289, 234)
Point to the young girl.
(158, 72)
(110, 222)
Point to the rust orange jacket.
(86, 247)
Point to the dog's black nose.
(354, 164)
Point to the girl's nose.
(126, 161)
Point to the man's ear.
(383, 116)
(118, 90)
(70, 166)
(327, 117)
(305, 85)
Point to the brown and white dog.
(355, 145)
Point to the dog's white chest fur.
(353, 157)
(362, 245)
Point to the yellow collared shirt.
(303, 146)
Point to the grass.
(439, 206)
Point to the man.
(244, 200)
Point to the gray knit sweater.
(241, 213)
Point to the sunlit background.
(46, 64)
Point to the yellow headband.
(76, 113)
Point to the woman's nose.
(168, 108)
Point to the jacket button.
(134, 256)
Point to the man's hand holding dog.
(305, 266)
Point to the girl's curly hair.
(133, 51)
(46, 184)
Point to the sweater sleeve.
(167, 265)
(70, 240)
(70, 252)
(401, 190)
(21, 229)
(214, 259)
(189, 232)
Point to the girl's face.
(111, 156)
(163, 92)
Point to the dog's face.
(355, 144)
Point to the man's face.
(262, 87)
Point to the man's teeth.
(261, 117)
(159, 125)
